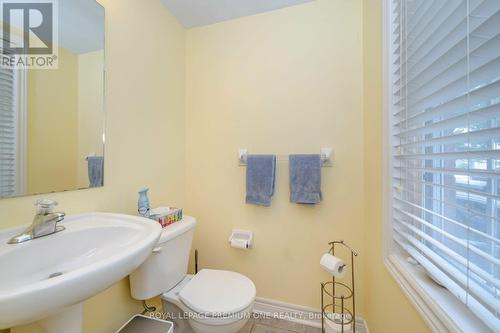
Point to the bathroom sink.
(42, 277)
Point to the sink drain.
(53, 275)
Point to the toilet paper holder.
(241, 239)
(340, 295)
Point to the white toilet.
(213, 301)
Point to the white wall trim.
(439, 308)
(297, 313)
(417, 296)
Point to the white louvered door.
(445, 124)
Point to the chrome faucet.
(44, 222)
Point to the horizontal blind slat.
(472, 172)
(416, 249)
(486, 133)
(461, 225)
(488, 92)
(460, 278)
(478, 154)
(486, 26)
(451, 237)
(472, 211)
(484, 112)
(452, 254)
(448, 187)
(482, 51)
(450, 90)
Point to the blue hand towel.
(305, 179)
(261, 174)
(95, 166)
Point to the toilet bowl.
(212, 301)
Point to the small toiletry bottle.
(143, 203)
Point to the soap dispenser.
(143, 203)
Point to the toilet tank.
(168, 263)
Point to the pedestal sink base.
(68, 320)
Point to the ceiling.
(195, 13)
(81, 25)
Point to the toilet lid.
(218, 293)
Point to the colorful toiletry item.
(166, 215)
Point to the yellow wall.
(293, 80)
(90, 110)
(52, 115)
(287, 81)
(387, 308)
(67, 103)
(145, 134)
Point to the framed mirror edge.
(103, 123)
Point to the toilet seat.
(216, 293)
(209, 283)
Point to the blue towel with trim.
(305, 179)
(261, 176)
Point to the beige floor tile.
(313, 329)
(282, 324)
(248, 327)
(259, 328)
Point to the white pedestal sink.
(44, 281)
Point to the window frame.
(439, 308)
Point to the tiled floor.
(260, 325)
(267, 325)
(271, 325)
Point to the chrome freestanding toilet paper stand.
(340, 294)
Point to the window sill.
(438, 307)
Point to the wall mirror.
(52, 120)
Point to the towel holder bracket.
(325, 153)
(90, 155)
(242, 157)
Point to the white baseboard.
(298, 313)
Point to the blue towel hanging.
(261, 175)
(95, 169)
(305, 179)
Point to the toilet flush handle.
(157, 250)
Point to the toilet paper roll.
(239, 243)
(333, 265)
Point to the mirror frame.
(104, 122)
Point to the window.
(12, 132)
(444, 77)
(8, 140)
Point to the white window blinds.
(445, 132)
(8, 133)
